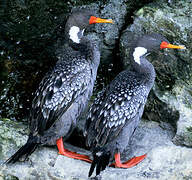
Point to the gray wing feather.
(53, 99)
(119, 106)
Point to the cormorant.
(64, 92)
(117, 110)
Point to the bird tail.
(24, 151)
(100, 160)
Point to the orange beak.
(167, 45)
(94, 20)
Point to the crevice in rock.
(156, 110)
(116, 65)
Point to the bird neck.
(67, 48)
(142, 66)
(84, 46)
(86, 49)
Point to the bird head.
(78, 21)
(149, 43)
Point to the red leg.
(128, 164)
(70, 154)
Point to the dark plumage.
(117, 110)
(64, 92)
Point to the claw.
(70, 154)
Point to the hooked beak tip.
(183, 47)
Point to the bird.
(117, 110)
(64, 92)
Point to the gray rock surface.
(172, 98)
(164, 159)
(12, 135)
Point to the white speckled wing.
(115, 106)
(57, 91)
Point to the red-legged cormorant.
(64, 92)
(117, 110)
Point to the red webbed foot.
(128, 164)
(70, 154)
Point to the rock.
(172, 89)
(27, 51)
(12, 136)
(164, 159)
(161, 163)
(121, 12)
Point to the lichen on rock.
(12, 136)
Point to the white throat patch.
(73, 34)
(139, 51)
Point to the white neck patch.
(73, 34)
(139, 51)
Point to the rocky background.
(31, 32)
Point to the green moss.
(12, 135)
(189, 133)
(10, 177)
(188, 177)
(5, 119)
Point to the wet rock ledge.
(164, 160)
